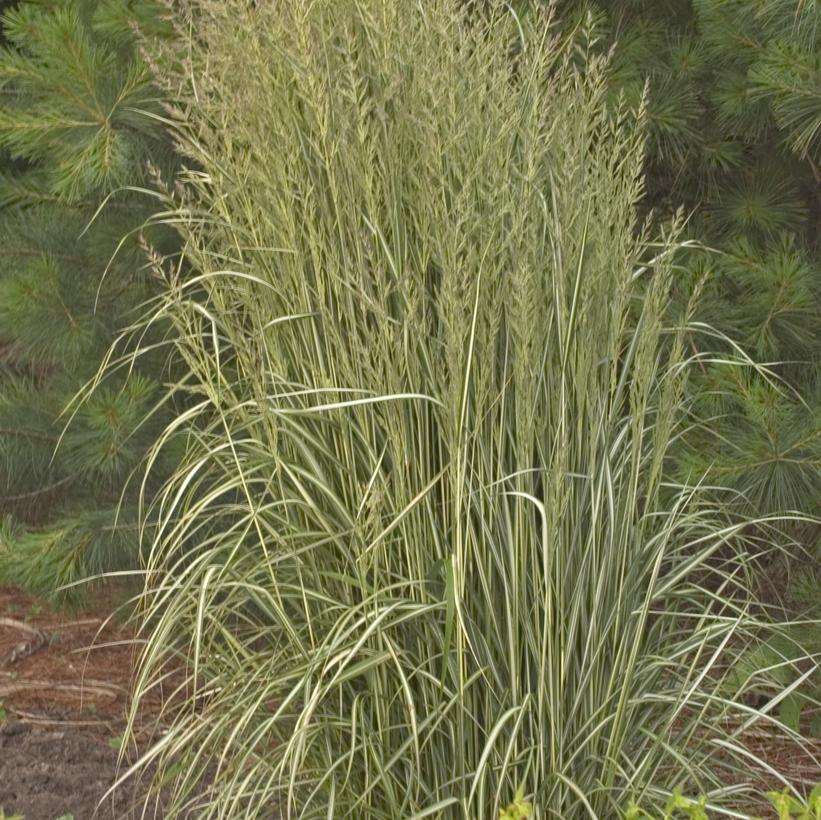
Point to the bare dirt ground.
(64, 683)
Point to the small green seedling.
(677, 806)
(790, 808)
(692, 809)
(115, 742)
(519, 809)
(635, 812)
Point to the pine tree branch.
(35, 251)
(10, 431)
(49, 488)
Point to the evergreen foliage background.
(735, 136)
(76, 128)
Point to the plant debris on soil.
(64, 684)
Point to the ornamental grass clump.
(419, 553)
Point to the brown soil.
(800, 764)
(47, 774)
(64, 683)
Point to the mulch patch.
(798, 763)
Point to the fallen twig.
(22, 626)
(90, 688)
(25, 648)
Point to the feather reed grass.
(420, 551)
